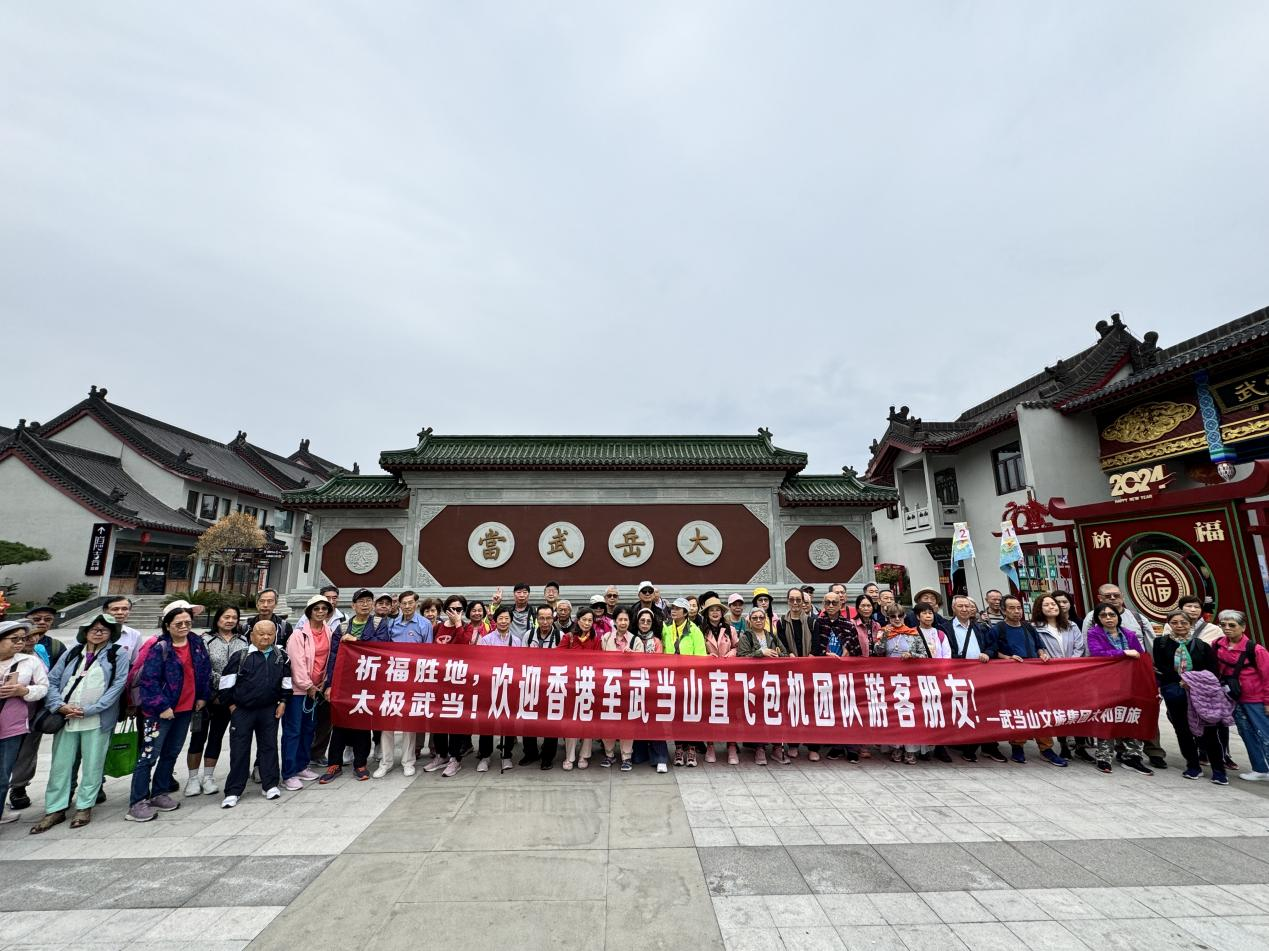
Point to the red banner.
(527, 692)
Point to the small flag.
(1010, 552)
(962, 545)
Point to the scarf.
(1182, 660)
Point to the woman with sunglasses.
(656, 752)
(1244, 670)
(1107, 637)
(23, 681)
(760, 643)
(454, 630)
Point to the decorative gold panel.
(1148, 422)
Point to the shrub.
(73, 594)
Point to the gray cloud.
(346, 224)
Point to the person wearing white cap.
(648, 599)
(23, 681)
(736, 612)
(603, 623)
(309, 649)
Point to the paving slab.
(658, 898)
(846, 869)
(570, 875)
(752, 870)
(939, 867)
(494, 925)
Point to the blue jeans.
(161, 744)
(8, 756)
(298, 730)
(1253, 727)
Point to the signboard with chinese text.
(514, 691)
(98, 547)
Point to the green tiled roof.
(845, 489)
(593, 452)
(360, 491)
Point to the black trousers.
(321, 736)
(341, 738)
(505, 745)
(1177, 708)
(550, 746)
(261, 724)
(450, 745)
(206, 742)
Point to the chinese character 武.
(556, 542)
(1248, 390)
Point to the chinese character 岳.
(631, 544)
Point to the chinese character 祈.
(556, 542)
(1209, 531)
(1101, 539)
(631, 544)
(489, 544)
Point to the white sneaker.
(435, 763)
(272, 793)
(10, 816)
(194, 787)
(452, 768)
(507, 763)
(408, 770)
(662, 768)
(229, 803)
(209, 786)
(381, 771)
(348, 757)
(1254, 777)
(483, 765)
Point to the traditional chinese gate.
(1191, 542)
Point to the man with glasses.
(551, 593)
(611, 598)
(266, 602)
(648, 601)
(1131, 620)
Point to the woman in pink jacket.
(1244, 670)
(309, 648)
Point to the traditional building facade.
(470, 514)
(1127, 462)
(119, 500)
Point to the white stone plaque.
(361, 558)
(824, 554)
(491, 544)
(630, 543)
(561, 544)
(700, 543)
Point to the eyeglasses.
(1230, 624)
(831, 601)
(180, 625)
(612, 597)
(454, 607)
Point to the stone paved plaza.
(806, 856)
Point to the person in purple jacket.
(1107, 638)
(175, 682)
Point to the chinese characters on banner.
(525, 692)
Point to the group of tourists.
(266, 683)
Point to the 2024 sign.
(1139, 482)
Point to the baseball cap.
(646, 586)
(597, 599)
(734, 597)
(363, 593)
(682, 603)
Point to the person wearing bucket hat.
(309, 648)
(720, 641)
(84, 687)
(762, 599)
(23, 682)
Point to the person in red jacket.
(581, 638)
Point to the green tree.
(16, 553)
(221, 542)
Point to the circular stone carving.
(361, 558)
(1157, 583)
(630, 543)
(824, 554)
(491, 544)
(700, 543)
(561, 544)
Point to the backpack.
(134, 675)
(1232, 681)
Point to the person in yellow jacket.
(680, 636)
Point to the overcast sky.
(350, 221)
